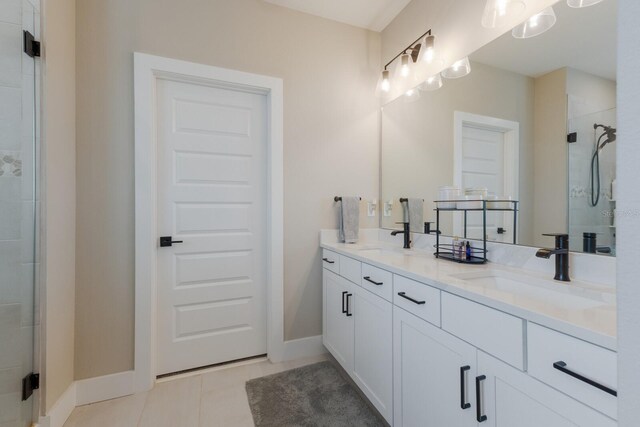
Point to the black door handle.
(480, 417)
(349, 314)
(562, 367)
(415, 301)
(168, 241)
(327, 261)
(463, 387)
(368, 279)
(344, 310)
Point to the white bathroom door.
(211, 287)
(487, 155)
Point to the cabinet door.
(373, 366)
(509, 397)
(337, 319)
(433, 375)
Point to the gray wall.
(629, 205)
(331, 143)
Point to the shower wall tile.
(10, 396)
(10, 54)
(11, 277)
(10, 117)
(11, 214)
(10, 331)
(27, 294)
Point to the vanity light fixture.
(536, 25)
(404, 69)
(432, 83)
(460, 68)
(498, 12)
(582, 3)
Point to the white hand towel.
(416, 215)
(349, 219)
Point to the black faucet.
(407, 235)
(561, 252)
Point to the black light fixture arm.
(410, 47)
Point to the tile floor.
(210, 398)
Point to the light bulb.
(405, 70)
(498, 12)
(536, 25)
(458, 69)
(427, 50)
(582, 3)
(385, 85)
(432, 83)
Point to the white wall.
(59, 127)
(331, 143)
(629, 208)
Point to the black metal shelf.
(445, 251)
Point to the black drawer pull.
(562, 367)
(368, 279)
(349, 314)
(463, 387)
(327, 261)
(344, 310)
(480, 417)
(415, 301)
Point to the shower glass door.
(584, 217)
(19, 77)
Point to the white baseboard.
(303, 347)
(61, 410)
(107, 387)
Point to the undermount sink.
(387, 252)
(563, 295)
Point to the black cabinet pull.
(463, 387)
(344, 310)
(327, 261)
(166, 241)
(480, 417)
(349, 314)
(415, 301)
(562, 367)
(368, 279)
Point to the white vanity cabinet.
(507, 397)
(425, 357)
(357, 331)
(433, 375)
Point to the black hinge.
(31, 46)
(29, 383)
(572, 137)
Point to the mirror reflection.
(534, 122)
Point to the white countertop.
(561, 309)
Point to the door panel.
(427, 375)
(212, 198)
(337, 325)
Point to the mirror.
(519, 127)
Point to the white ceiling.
(584, 39)
(370, 14)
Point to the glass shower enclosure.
(19, 153)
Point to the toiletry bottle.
(468, 250)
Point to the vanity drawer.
(378, 281)
(548, 348)
(497, 333)
(350, 269)
(417, 298)
(331, 261)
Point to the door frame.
(511, 132)
(147, 70)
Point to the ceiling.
(584, 39)
(370, 14)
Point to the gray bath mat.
(313, 395)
